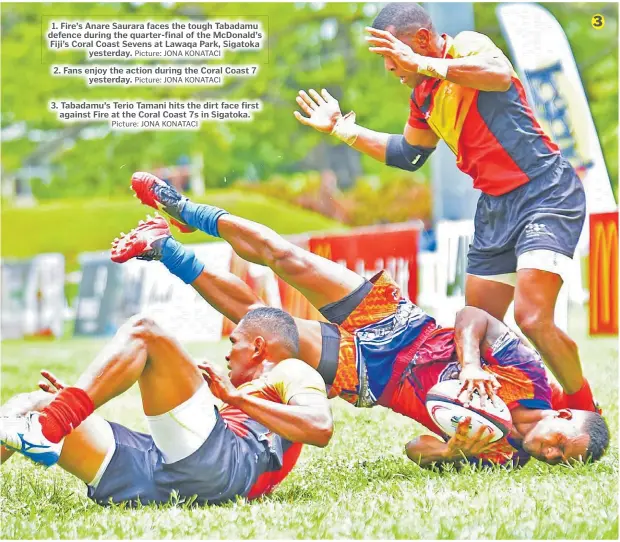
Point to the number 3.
(598, 21)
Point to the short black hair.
(404, 17)
(278, 323)
(596, 427)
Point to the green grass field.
(360, 486)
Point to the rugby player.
(532, 207)
(273, 403)
(379, 348)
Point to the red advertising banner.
(368, 251)
(604, 273)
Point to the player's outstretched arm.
(486, 69)
(408, 151)
(471, 329)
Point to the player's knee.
(283, 256)
(532, 321)
(142, 326)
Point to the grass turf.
(360, 486)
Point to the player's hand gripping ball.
(447, 411)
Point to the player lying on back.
(272, 404)
(379, 348)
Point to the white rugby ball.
(447, 411)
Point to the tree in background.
(310, 45)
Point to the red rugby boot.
(143, 242)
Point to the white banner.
(545, 63)
(453, 240)
(33, 296)
(14, 282)
(176, 306)
(45, 296)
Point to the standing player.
(380, 349)
(532, 208)
(272, 404)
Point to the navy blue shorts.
(545, 214)
(224, 467)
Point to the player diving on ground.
(377, 348)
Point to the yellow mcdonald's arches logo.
(324, 250)
(604, 277)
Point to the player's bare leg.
(233, 298)
(142, 352)
(224, 291)
(489, 295)
(535, 298)
(86, 448)
(320, 280)
(139, 352)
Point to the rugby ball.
(447, 411)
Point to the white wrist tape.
(345, 129)
(433, 67)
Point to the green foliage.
(359, 486)
(403, 197)
(377, 201)
(310, 45)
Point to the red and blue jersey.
(519, 370)
(287, 379)
(392, 353)
(379, 331)
(494, 135)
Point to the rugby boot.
(159, 195)
(23, 434)
(143, 242)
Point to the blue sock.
(180, 261)
(202, 216)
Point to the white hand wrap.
(345, 129)
(433, 67)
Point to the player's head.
(564, 435)
(412, 25)
(265, 333)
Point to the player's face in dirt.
(557, 438)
